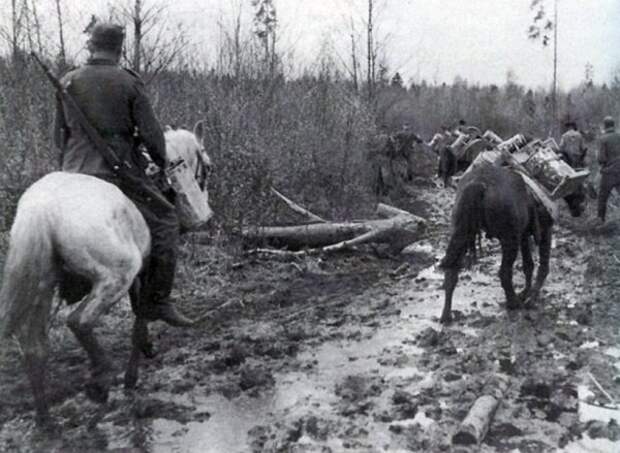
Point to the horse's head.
(187, 146)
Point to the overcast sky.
(480, 40)
(436, 40)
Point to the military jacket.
(609, 153)
(115, 103)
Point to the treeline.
(308, 136)
(506, 109)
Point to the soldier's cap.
(608, 121)
(107, 35)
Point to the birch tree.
(153, 44)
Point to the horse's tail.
(467, 223)
(29, 275)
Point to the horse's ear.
(199, 130)
(168, 128)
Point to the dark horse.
(450, 164)
(495, 200)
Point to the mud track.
(345, 354)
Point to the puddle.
(336, 360)
(226, 430)
(588, 412)
(431, 273)
(613, 352)
(587, 444)
(590, 345)
(474, 287)
(297, 394)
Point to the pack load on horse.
(511, 197)
(538, 161)
(93, 236)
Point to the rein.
(201, 170)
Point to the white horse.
(80, 225)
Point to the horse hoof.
(97, 392)
(445, 320)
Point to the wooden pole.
(476, 424)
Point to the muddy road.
(345, 353)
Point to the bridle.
(203, 169)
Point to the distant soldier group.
(457, 149)
(392, 157)
(456, 152)
(458, 146)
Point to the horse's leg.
(140, 343)
(139, 338)
(510, 250)
(451, 277)
(33, 340)
(136, 293)
(528, 267)
(105, 293)
(544, 254)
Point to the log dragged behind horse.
(82, 235)
(495, 200)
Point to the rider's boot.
(160, 305)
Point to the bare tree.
(137, 34)
(371, 56)
(17, 27)
(354, 63)
(232, 43)
(62, 55)
(155, 44)
(265, 28)
(545, 29)
(24, 30)
(237, 43)
(36, 23)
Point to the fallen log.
(386, 211)
(399, 230)
(297, 208)
(476, 424)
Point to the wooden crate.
(559, 178)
